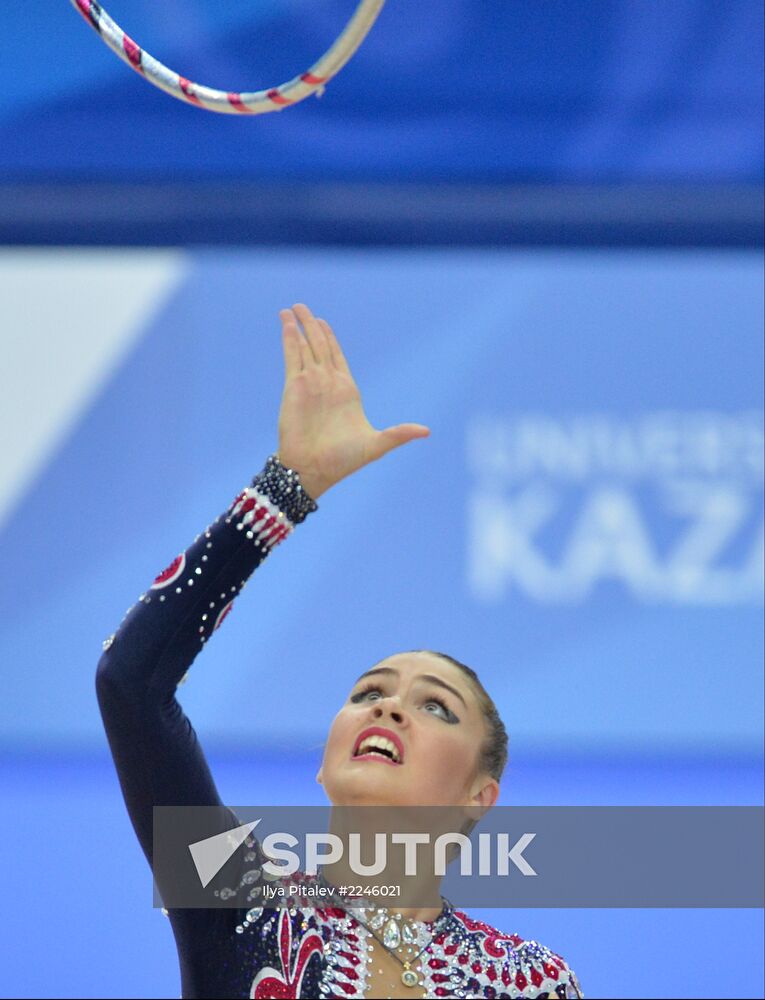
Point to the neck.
(382, 856)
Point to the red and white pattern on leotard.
(222, 614)
(466, 957)
(471, 956)
(171, 574)
(494, 964)
(286, 982)
(257, 514)
(469, 959)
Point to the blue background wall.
(590, 90)
(584, 525)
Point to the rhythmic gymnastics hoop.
(255, 103)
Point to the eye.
(437, 707)
(370, 693)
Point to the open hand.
(323, 432)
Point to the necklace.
(393, 932)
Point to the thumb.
(393, 437)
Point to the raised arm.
(324, 436)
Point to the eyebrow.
(425, 677)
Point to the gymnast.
(418, 728)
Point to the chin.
(362, 790)
(364, 797)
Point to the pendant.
(408, 934)
(409, 977)
(391, 935)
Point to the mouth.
(379, 744)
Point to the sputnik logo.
(211, 854)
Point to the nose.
(390, 706)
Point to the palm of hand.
(324, 433)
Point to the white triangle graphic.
(211, 854)
(69, 318)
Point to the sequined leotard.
(263, 952)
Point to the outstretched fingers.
(335, 350)
(314, 334)
(296, 350)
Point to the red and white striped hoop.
(254, 103)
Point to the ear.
(319, 776)
(486, 794)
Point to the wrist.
(312, 482)
(312, 485)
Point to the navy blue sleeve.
(156, 752)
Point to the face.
(423, 715)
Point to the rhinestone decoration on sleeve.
(282, 486)
(264, 522)
(265, 512)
